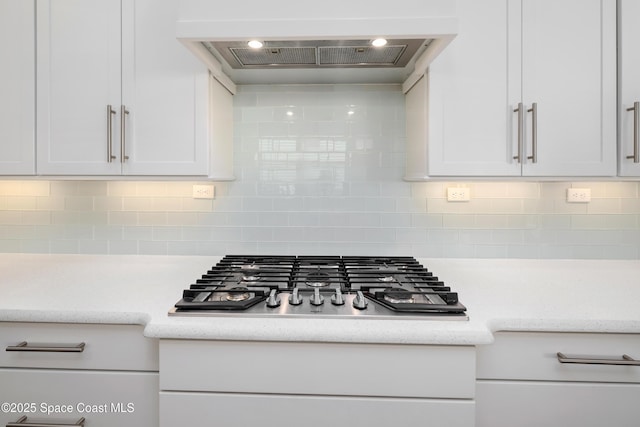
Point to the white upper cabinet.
(117, 93)
(629, 87)
(165, 89)
(556, 58)
(17, 88)
(78, 75)
(569, 83)
(469, 88)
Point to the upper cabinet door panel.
(629, 84)
(17, 88)
(568, 69)
(472, 85)
(165, 88)
(78, 75)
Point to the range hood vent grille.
(317, 53)
(290, 56)
(358, 55)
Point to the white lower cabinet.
(232, 383)
(535, 404)
(522, 382)
(102, 398)
(241, 410)
(57, 374)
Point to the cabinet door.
(242, 410)
(629, 84)
(103, 398)
(78, 75)
(165, 89)
(472, 85)
(535, 404)
(568, 71)
(17, 87)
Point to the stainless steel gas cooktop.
(320, 287)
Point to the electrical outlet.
(458, 194)
(203, 191)
(578, 195)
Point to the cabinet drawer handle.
(626, 360)
(22, 422)
(636, 132)
(24, 346)
(110, 113)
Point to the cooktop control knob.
(294, 298)
(336, 299)
(273, 300)
(316, 298)
(360, 302)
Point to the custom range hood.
(313, 43)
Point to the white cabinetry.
(629, 87)
(315, 384)
(17, 88)
(554, 57)
(521, 381)
(123, 54)
(113, 381)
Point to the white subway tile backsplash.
(21, 203)
(319, 171)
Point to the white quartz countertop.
(500, 295)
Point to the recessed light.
(255, 44)
(379, 42)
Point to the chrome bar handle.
(636, 132)
(520, 111)
(54, 348)
(625, 361)
(534, 132)
(22, 422)
(123, 134)
(110, 113)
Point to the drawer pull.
(53, 348)
(626, 360)
(22, 422)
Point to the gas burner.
(317, 279)
(247, 278)
(250, 267)
(241, 294)
(399, 296)
(386, 279)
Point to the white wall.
(321, 181)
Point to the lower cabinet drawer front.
(533, 356)
(536, 404)
(104, 399)
(318, 368)
(114, 347)
(242, 410)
